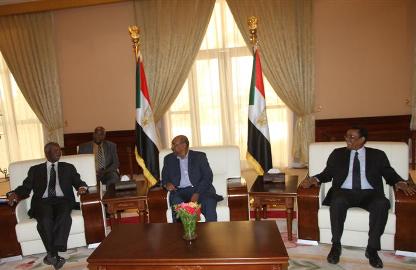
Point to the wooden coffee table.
(220, 245)
(268, 193)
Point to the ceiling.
(9, 7)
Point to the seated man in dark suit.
(356, 173)
(188, 177)
(106, 158)
(52, 201)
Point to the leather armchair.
(81, 233)
(313, 217)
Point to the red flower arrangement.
(189, 214)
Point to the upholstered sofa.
(225, 163)
(313, 217)
(80, 234)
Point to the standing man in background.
(106, 158)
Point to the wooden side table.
(269, 193)
(8, 245)
(117, 201)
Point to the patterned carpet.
(301, 257)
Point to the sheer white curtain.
(211, 108)
(20, 130)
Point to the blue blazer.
(377, 166)
(200, 173)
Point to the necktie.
(100, 157)
(52, 182)
(356, 177)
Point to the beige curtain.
(285, 40)
(21, 135)
(27, 45)
(169, 47)
(212, 107)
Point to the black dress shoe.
(334, 254)
(59, 262)
(373, 258)
(49, 259)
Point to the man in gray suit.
(106, 158)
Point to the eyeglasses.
(351, 137)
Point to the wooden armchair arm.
(405, 221)
(92, 213)
(9, 245)
(238, 201)
(308, 205)
(157, 205)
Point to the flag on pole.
(147, 139)
(259, 152)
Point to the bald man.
(188, 177)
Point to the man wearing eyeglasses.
(188, 177)
(356, 173)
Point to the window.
(20, 129)
(211, 108)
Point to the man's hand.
(409, 190)
(310, 181)
(82, 190)
(195, 197)
(100, 172)
(11, 198)
(170, 187)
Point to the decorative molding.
(380, 128)
(47, 5)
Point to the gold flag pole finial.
(134, 32)
(252, 28)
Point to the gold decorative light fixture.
(134, 32)
(252, 28)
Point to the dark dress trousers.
(200, 176)
(373, 200)
(111, 174)
(52, 214)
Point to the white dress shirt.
(364, 181)
(59, 192)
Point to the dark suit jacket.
(200, 173)
(36, 180)
(377, 166)
(110, 154)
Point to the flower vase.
(189, 227)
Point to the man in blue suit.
(188, 177)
